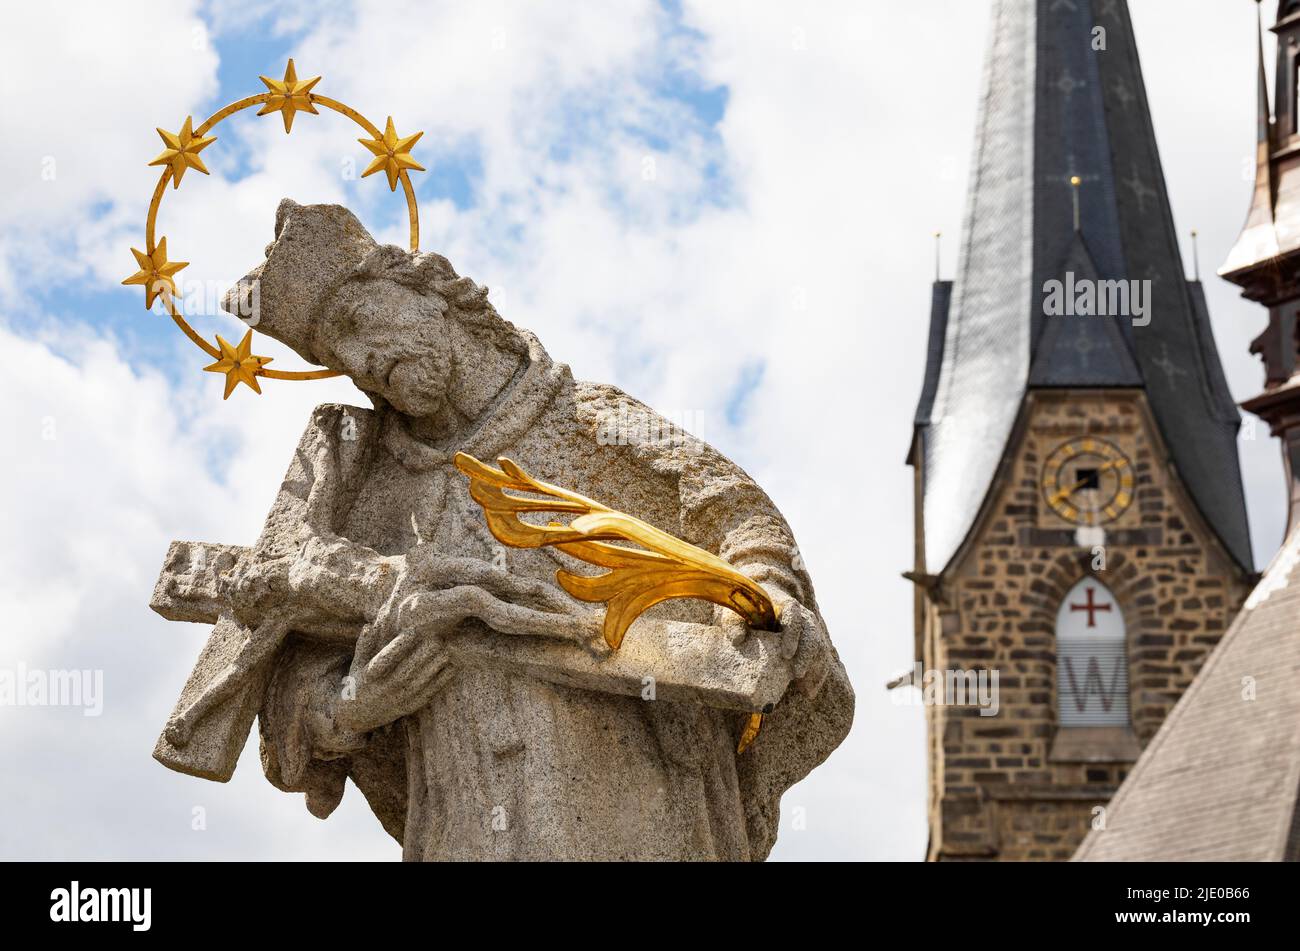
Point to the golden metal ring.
(287, 96)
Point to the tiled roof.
(1220, 779)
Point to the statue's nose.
(242, 299)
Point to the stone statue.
(377, 631)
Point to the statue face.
(406, 328)
(391, 340)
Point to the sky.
(725, 209)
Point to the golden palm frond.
(663, 568)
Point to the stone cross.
(672, 657)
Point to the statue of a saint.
(470, 699)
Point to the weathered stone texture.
(378, 632)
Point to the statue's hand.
(401, 658)
(427, 569)
(258, 588)
(804, 641)
(438, 613)
(434, 594)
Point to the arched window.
(1091, 658)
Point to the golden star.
(392, 154)
(183, 150)
(288, 95)
(156, 273)
(238, 364)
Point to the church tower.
(1081, 536)
(1265, 262)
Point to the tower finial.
(1196, 254)
(1075, 182)
(1264, 111)
(938, 255)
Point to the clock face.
(1088, 481)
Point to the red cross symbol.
(1091, 607)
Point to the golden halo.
(286, 96)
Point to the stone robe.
(512, 767)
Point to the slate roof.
(1219, 781)
(1051, 109)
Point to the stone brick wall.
(995, 790)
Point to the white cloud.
(844, 144)
(83, 87)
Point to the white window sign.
(1091, 658)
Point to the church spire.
(1079, 499)
(1069, 193)
(1258, 239)
(1264, 110)
(1265, 261)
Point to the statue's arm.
(301, 565)
(723, 507)
(722, 510)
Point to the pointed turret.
(1265, 261)
(1068, 190)
(1258, 240)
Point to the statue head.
(404, 326)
